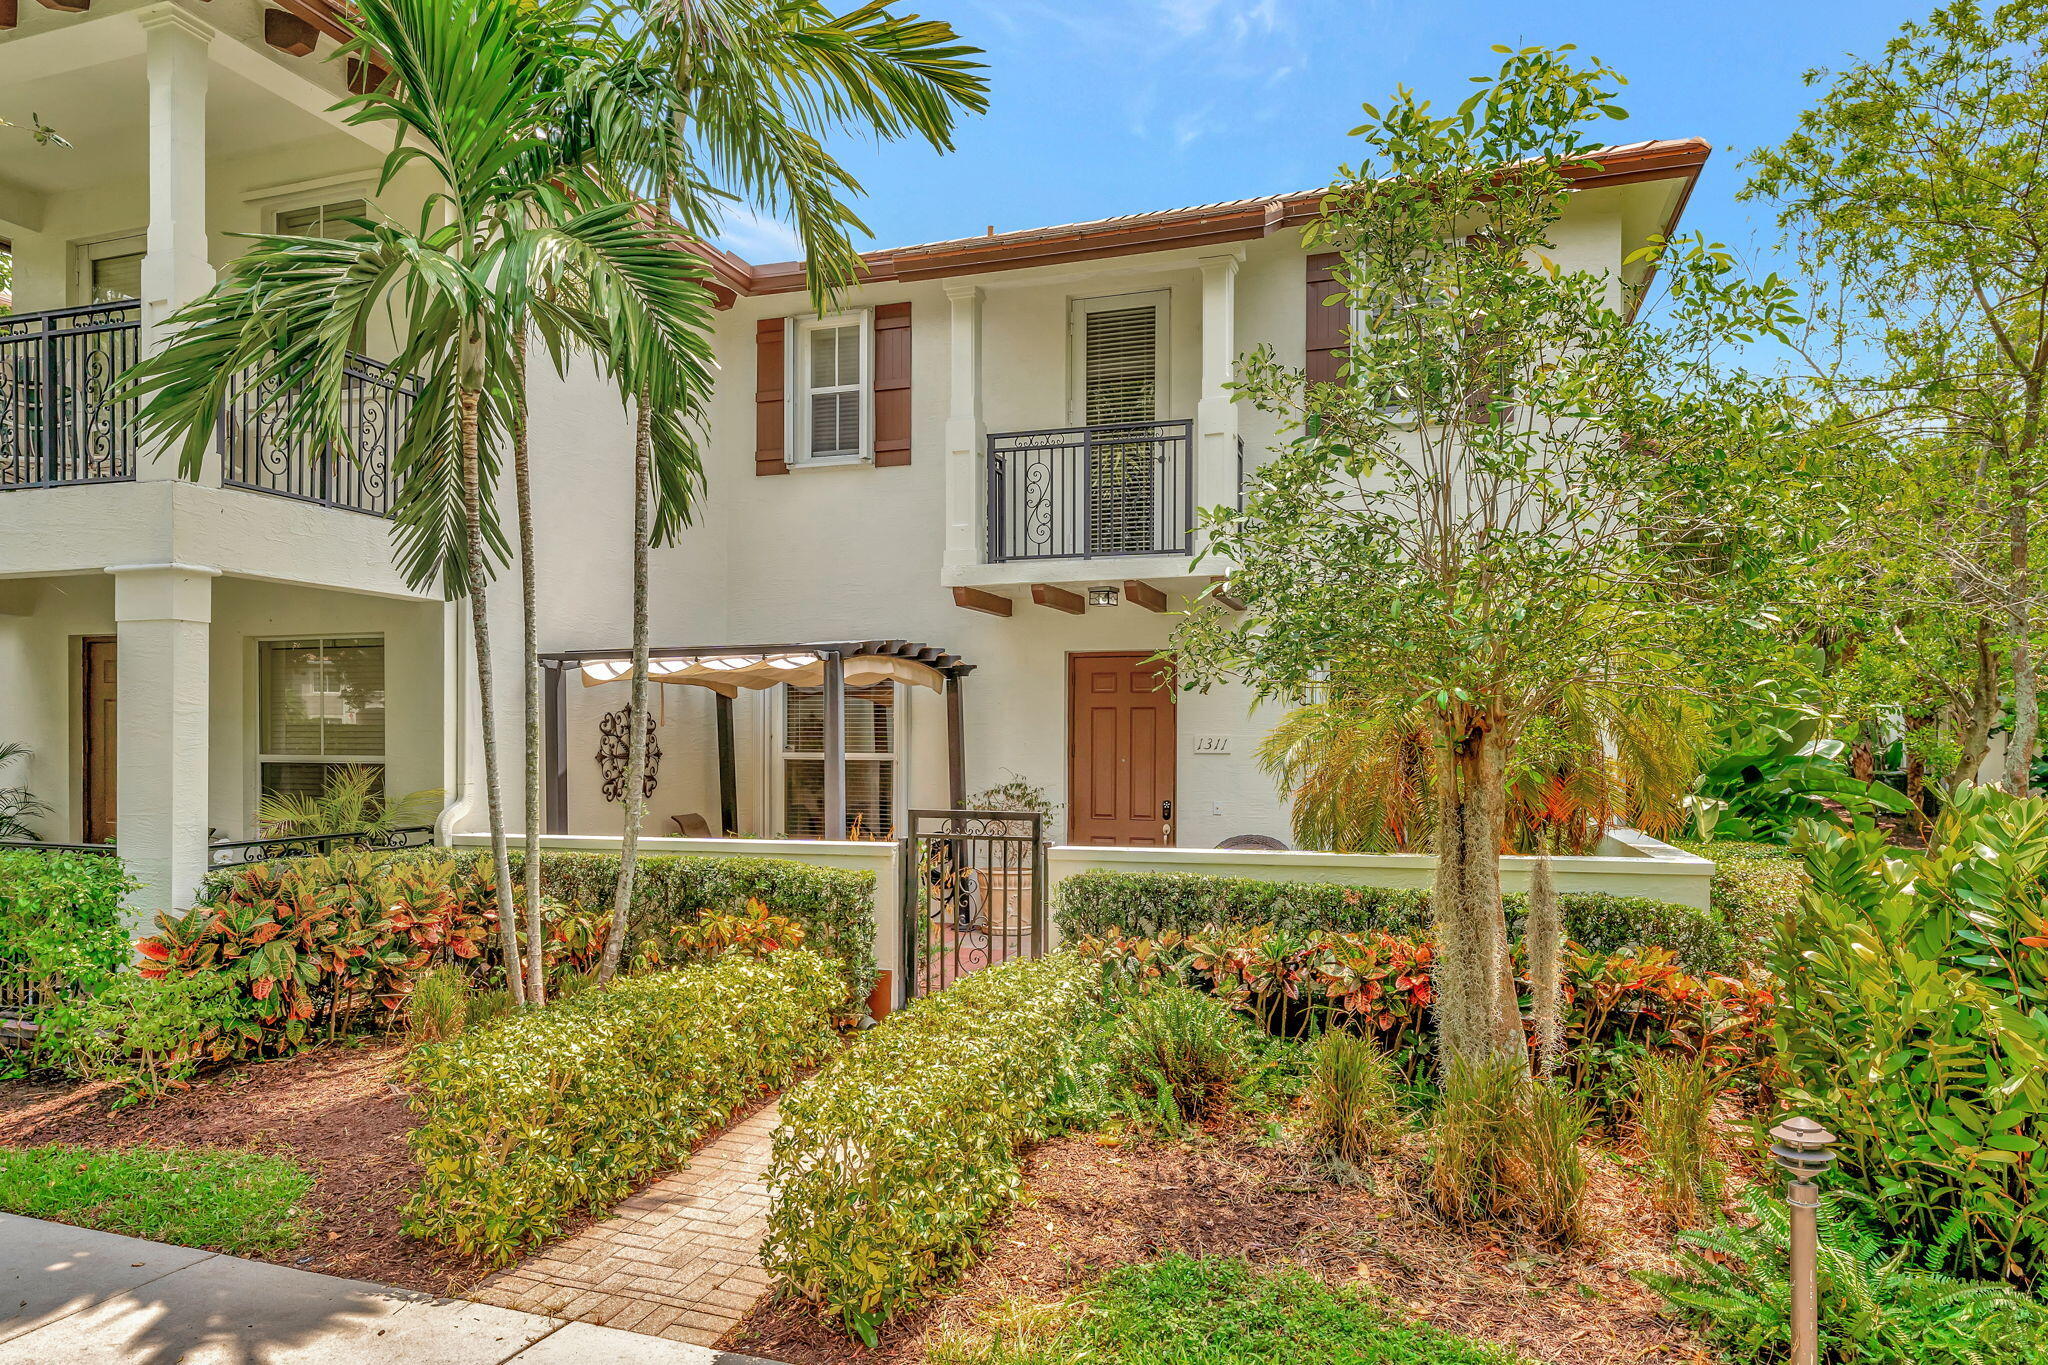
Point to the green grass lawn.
(222, 1201)
(1183, 1311)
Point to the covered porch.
(823, 740)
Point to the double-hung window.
(872, 728)
(322, 220)
(833, 414)
(321, 708)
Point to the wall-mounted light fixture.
(1103, 597)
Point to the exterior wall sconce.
(1801, 1148)
(1103, 597)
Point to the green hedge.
(835, 906)
(1147, 904)
(573, 1106)
(62, 935)
(1754, 884)
(890, 1162)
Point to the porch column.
(966, 436)
(163, 618)
(175, 267)
(956, 746)
(1215, 414)
(835, 746)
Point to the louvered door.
(1120, 378)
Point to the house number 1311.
(1212, 744)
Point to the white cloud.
(756, 238)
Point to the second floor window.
(832, 413)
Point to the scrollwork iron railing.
(1120, 488)
(257, 452)
(241, 851)
(60, 421)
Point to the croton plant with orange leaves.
(315, 942)
(1616, 1004)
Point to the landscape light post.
(1800, 1146)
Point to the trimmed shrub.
(890, 1162)
(61, 937)
(1149, 904)
(1754, 885)
(1915, 1028)
(573, 1106)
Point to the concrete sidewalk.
(69, 1296)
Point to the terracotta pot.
(882, 996)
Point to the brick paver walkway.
(678, 1260)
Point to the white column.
(966, 435)
(175, 268)
(1215, 414)
(163, 618)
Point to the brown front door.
(98, 745)
(1120, 748)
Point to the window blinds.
(1120, 365)
(117, 277)
(870, 766)
(321, 220)
(835, 391)
(322, 698)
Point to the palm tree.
(736, 97)
(524, 226)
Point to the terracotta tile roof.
(1230, 220)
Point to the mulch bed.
(335, 1110)
(1090, 1207)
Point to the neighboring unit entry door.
(97, 742)
(1120, 750)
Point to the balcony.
(1115, 490)
(61, 425)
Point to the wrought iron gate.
(973, 893)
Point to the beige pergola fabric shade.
(728, 675)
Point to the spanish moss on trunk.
(1477, 1015)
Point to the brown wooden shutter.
(892, 384)
(1326, 321)
(771, 378)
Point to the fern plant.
(1734, 1284)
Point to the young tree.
(1477, 522)
(1918, 186)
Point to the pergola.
(727, 670)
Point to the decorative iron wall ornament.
(612, 753)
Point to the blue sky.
(1120, 106)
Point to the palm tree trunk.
(536, 966)
(1477, 1015)
(480, 630)
(1544, 936)
(636, 715)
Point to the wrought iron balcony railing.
(59, 420)
(61, 424)
(1121, 488)
(256, 452)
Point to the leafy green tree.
(1485, 515)
(734, 98)
(1916, 189)
(520, 227)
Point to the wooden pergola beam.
(1143, 594)
(290, 34)
(1059, 599)
(1220, 590)
(974, 599)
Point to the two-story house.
(966, 497)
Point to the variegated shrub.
(890, 1162)
(575, 1105)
